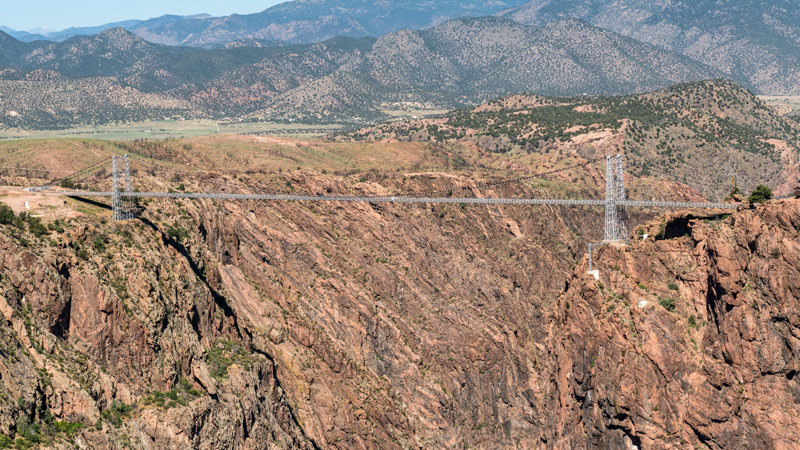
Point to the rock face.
(690, 340)
(97, 320)
(256, 325)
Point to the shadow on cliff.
(92, 202)
(222, 303)
(200, 273)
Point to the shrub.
(115, 413)
(67, 184)
(99, 244)
(6, 214)
(56, 226)
(667, 303)
(760, 194)
(35, 226)
(673, 286)
(692, 321)
(177, 234)
(68, 428)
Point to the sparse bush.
(67, 183)
(673, 286)
(6, 214)
(68, 428)
(178, 234)
(115, 413)
(667, 303)
(760, 194)
(36, 227)
(83, 254)
(99, 244)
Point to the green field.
(171, 129)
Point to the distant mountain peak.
(117, 32)
(119, 37)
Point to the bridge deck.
(400, 199)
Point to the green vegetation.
(177, 233)
(41, 433)
(667, 303)
(56, 226)
(760, 194)
(116, 413)
(68, 183)
(99, 244)
(120, 286)
(83, 254)
(692, 321)
(34, 224)
(6, 214)
(175, 397)
(673, 286)
(224, 354)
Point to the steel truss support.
(116, 199)
(611, 204)
(616, 228)
(621, 198)
(121, 206)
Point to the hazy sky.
(60, 14)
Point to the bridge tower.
(616, 228)
(121, 209)
(622, 210)
(611, 204)
(116, 199)
(128, 202)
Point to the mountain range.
(755, 42)
(299, 21)
(458, 63)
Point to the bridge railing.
(396, 199)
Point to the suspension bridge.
(615, 203)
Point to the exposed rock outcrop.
(257, 325)
(687, 341)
